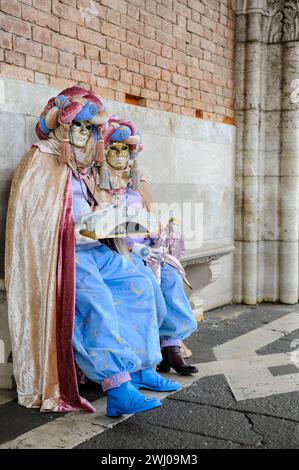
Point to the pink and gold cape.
(40, 278)
(40, 284)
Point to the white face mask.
(80, 133)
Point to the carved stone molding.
(280, 18)
(283, 22)
(274, 20)
(290, 24)
(250, 6)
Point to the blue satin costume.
(122, 312)
(175, 317)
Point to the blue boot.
(127, 400)
(150, 379)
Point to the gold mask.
(118, 155)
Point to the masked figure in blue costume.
(116, 331)
(122, 183)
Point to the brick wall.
(174, 55)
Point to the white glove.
(143, 251)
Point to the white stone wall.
(185, 159)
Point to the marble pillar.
(267, 189)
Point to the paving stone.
(16, 420)
(135, 435)
(214, 391)
(204, 415)
(277, 433)
(58, 434)
(213, 332)
(286, 344)
(284, 370)
(262, 312)
(202, 419)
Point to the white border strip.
(75, 428)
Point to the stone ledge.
(203, 267)
(206, 253)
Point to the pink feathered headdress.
(121, 130)
(134, 139)
(71, 103)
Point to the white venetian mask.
(80, 132)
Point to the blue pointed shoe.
(151, 380)
(126, 399)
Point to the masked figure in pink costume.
(70, 299)
(123, 183)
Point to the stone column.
(249, 165)
(267, 189)
(289, 188)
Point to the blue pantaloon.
(116, 329)
(176, 319)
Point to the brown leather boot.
(172, 357)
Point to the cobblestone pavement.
(246, 395)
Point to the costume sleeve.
(80, 205)
(146, 195)
(80, 208)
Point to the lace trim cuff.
(115, 381)
(170, 342)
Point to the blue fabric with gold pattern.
(116, 327)
(121, 134)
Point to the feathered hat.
(71, 104)
(120, 130)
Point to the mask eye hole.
(113, 148)
(81, 124)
